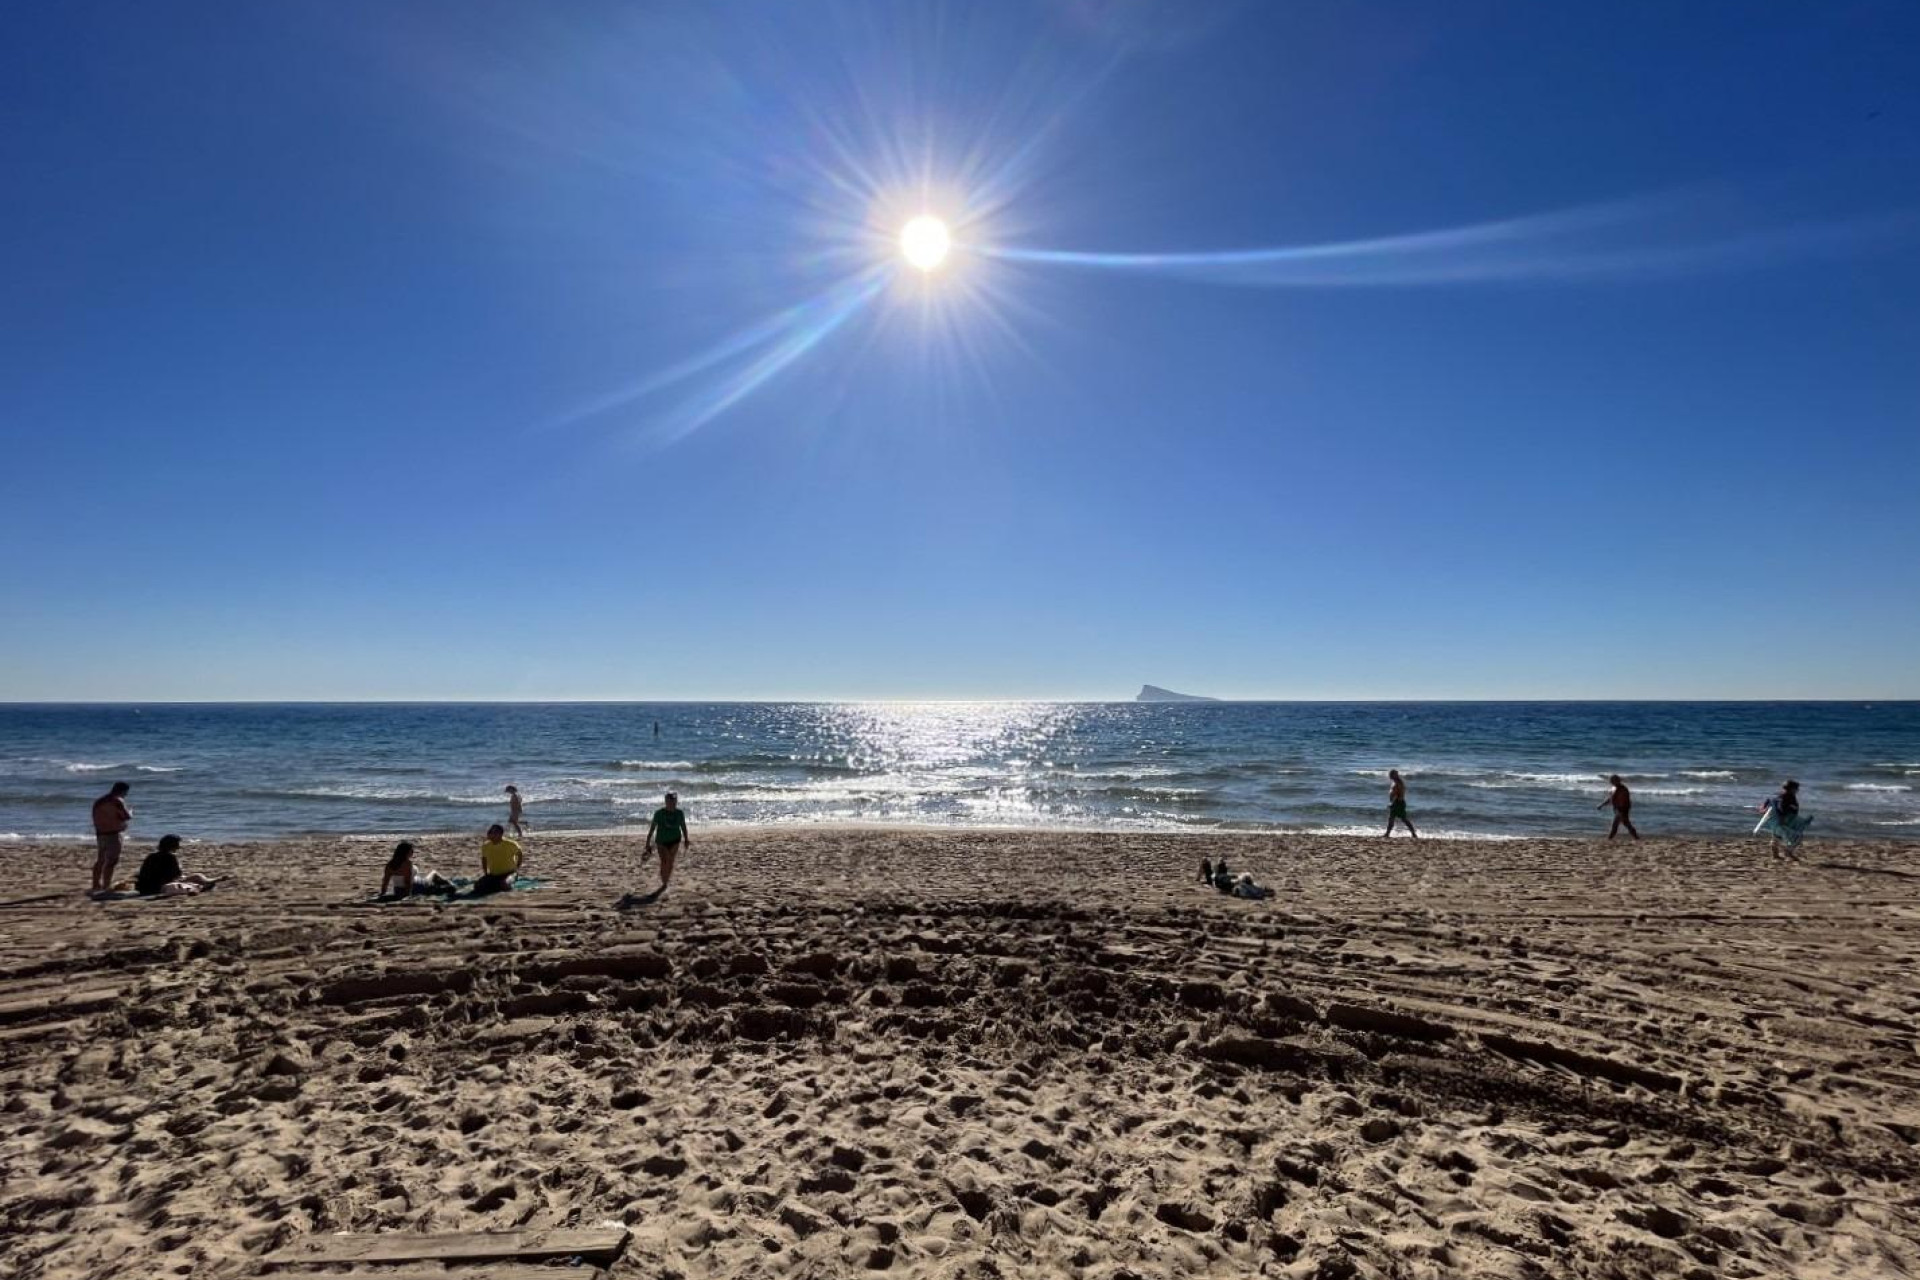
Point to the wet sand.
(956, 1054)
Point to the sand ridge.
(829, 1052)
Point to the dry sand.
(834, 1052)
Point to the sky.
(461, 349)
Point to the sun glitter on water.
(925, 242)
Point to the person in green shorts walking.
(668, 830)
(1397, 804)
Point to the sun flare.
(925, 242)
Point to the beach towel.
(1787, 831)
(521, 884)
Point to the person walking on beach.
(1784, 820)
(1397, 804)
(1622, 801)
(668, 830)
(515, 812)
(500, 860)
(111, 818)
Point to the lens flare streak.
(772, 343)
(1627, 240)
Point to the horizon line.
(693, 702)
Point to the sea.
(1473, 769)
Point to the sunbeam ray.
(820, 317)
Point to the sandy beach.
(832, 1052)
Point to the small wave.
(1897, 822)
(370, 795)
(652, 765)
(82, 766)
(1877, 786)
(1552, 781)
(158, 768)
(1711, 775)
(1674, 791)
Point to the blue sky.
(309, 308)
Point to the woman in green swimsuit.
(668, 830)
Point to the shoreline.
(15, 842)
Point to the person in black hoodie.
(160, 873)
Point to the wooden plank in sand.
(461, 1273)
(595, 1244)
(55, 1001)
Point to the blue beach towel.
(1787, 832)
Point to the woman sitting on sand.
(400, 880)
(1223, 876)
(160, 873)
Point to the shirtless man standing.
(111, 818)
(1397, 804)
(1622, 801)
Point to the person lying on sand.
(499, 862)
(1244, 886)
(401, 881)
(160, 873)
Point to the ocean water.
(1489, 769)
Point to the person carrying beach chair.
(1780, 817)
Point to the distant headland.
(1154, 693)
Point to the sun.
(925, 242)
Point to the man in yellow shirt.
(499, 862)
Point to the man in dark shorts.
(1622, 801)
(1397, 804)
(668, 830)
(111, 817)
(500, 860)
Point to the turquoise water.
(223, 771)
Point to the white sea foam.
(1878, 786)
(1673, 791)
(1549, 781)
(82, 766)
(653, 764)
(157, 768)
(1712, 775)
